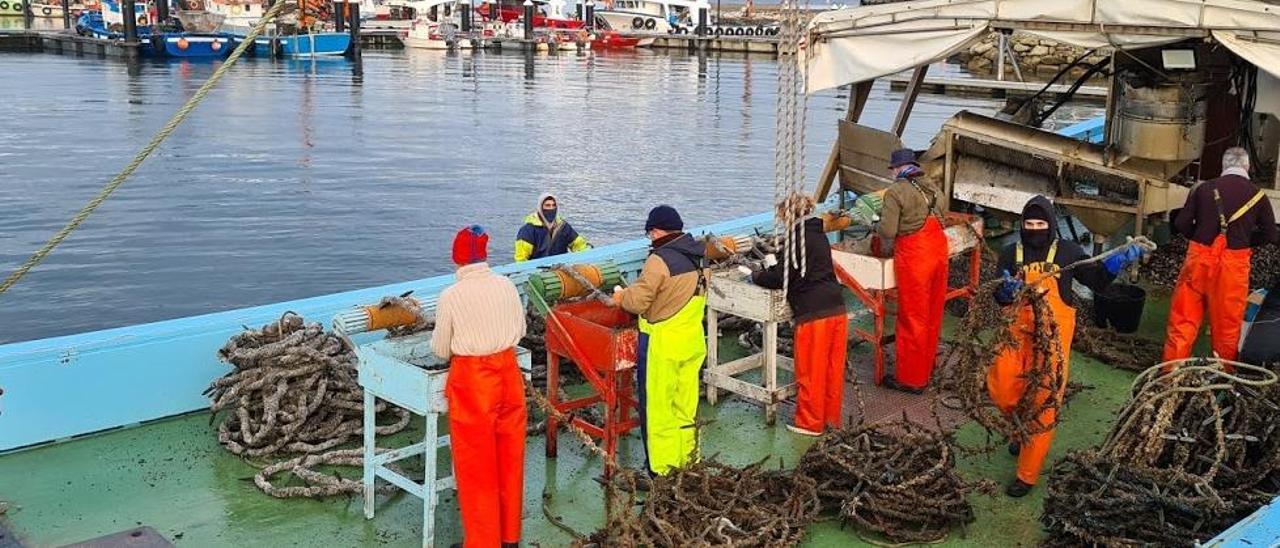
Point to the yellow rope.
(143, 154)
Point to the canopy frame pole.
(1001, 39)
(909, 100)
(857, 101)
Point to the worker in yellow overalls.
(669, 296)
(1036, 261)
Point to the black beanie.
(664, 217)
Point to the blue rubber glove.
(1130, 254)
(1009, 288)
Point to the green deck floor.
(173, 476)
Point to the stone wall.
(1036, 56)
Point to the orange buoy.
(183, 44)
(727, 248)
(216, 45)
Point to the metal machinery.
(871, 278)
(601, 341)
(1183, 85)
(403, 371)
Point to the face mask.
(1035, 238)
(549, 215)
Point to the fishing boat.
(156, 459)
(435, 24)
(166, 41)
(291, 35)
(11, 8)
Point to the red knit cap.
(471, 245)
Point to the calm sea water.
(296, 179)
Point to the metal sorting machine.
(871, 278)
(600, 340)
(404, 372)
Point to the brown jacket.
(669, 278)
(905, 208)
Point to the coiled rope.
(138, 159)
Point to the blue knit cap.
(902, 157)
(664, 217)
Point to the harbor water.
(299, 178)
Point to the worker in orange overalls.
(1223, 219)
(822, 327)
(479, 321)
(1037, 260)
(909, 222)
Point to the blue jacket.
(535, 240)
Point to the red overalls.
(1005, 379)
(920, 262)
(820, 347)
(1212, 276)
(487, 430)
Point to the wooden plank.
(857, 102)
(909, 100)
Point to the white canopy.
(859, 44)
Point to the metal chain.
(143, 154)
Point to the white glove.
(744, 270)
(770, 260)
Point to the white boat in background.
(656, 17)
(238, 15)
(435, 24)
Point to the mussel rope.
(160, 136)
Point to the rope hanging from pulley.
(788, 157)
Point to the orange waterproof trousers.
(487, 428)
(1214, 277)
(1006, 382)
(920, 262)
(821, 346)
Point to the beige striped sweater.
(479, 315)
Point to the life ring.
(637, 23)
(759, 30)
(718, 31)
(681, 30)
(4, 6)
(47, 11)
(650, 23)
(773, 32)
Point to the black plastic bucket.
(1121, 306)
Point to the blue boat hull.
(182, 45)
(314, 45)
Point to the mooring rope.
(143, 154)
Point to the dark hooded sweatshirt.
(1093, 275)
(817, 295)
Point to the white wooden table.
(729, 293)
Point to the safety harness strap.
(1223, 220)
(1053, 253)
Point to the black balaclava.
(1040, 208)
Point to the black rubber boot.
(511, 545)
(892, 384)
(1018, 489)
(1014, 449)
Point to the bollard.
(339, 20)
(591, 14)
(162, 12)
(354, 24)
(466, 16)
(130, 16)
(702, 21)
(528, 19)
(66, 14)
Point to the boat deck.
(173, 476)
